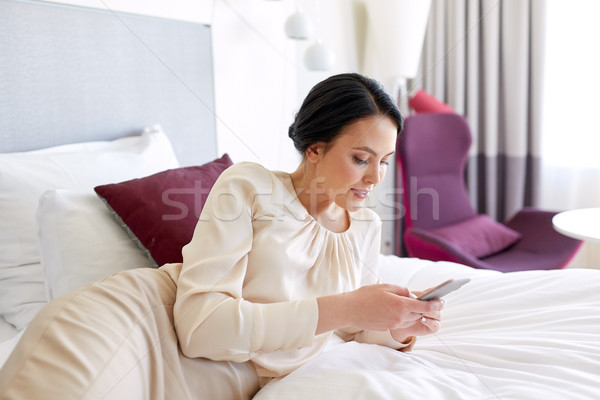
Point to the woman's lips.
(361, 194)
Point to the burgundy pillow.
(479, 236)
(423, 102)
(160, 211)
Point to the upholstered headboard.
(74, 74)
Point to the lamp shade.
(318, 57)
(396, 30)
(298, 26)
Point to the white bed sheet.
(523, 335)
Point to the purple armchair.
(440, 223)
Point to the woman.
(279, 261)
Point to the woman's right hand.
(377, 307)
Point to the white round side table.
(583, 224)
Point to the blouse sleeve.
(212, 319)
(370, 275)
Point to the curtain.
(485, 59)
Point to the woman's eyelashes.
(361, 161)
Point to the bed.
(133, 107)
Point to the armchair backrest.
(432, 153)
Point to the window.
(571, 116)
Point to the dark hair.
(336, 102)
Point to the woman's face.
(356, 161)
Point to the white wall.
(255, 81)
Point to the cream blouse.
(255, 266)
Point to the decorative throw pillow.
(423, 102)
(24, 176)
(160, 211)
(479, 236)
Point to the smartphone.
(443, 289)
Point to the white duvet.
(524, 335)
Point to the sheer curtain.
(570, 152)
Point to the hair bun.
(293, 134)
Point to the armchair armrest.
(539, 236)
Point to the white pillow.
(81, 242)
(25, 176)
